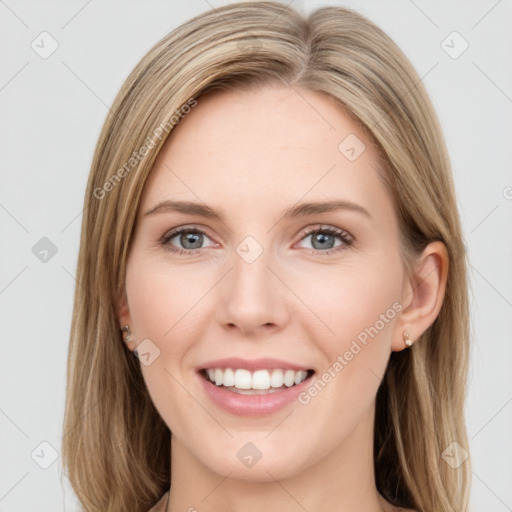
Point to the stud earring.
(126, 329)
(407, 340)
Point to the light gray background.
(51, 114)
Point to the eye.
(190, 238)
(323, 240)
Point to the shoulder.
(160, 506)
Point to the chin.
(251, 464)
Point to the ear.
(423, 294)
(124, 317)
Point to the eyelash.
(341, 234)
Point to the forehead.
(266, 146)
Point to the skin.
(249, 155)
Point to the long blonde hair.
(116, 447)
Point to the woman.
(271, 229)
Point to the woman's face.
(317, 289)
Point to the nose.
(252, 298)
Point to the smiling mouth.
(259, 382)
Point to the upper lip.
(264, 363)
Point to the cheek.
(163, 299)
(164, 303)
(350, 301)
(361, 308)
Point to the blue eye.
(191, 240)
(323, 238)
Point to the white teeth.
(277, 379)
(229, 377)
(242, 379)
(289, 378)
(298, 378)
(258, 380)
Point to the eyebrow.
(299, 210)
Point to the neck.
(339, 481)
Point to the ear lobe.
(427, 287)
(123, 311)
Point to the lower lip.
(252, 405)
